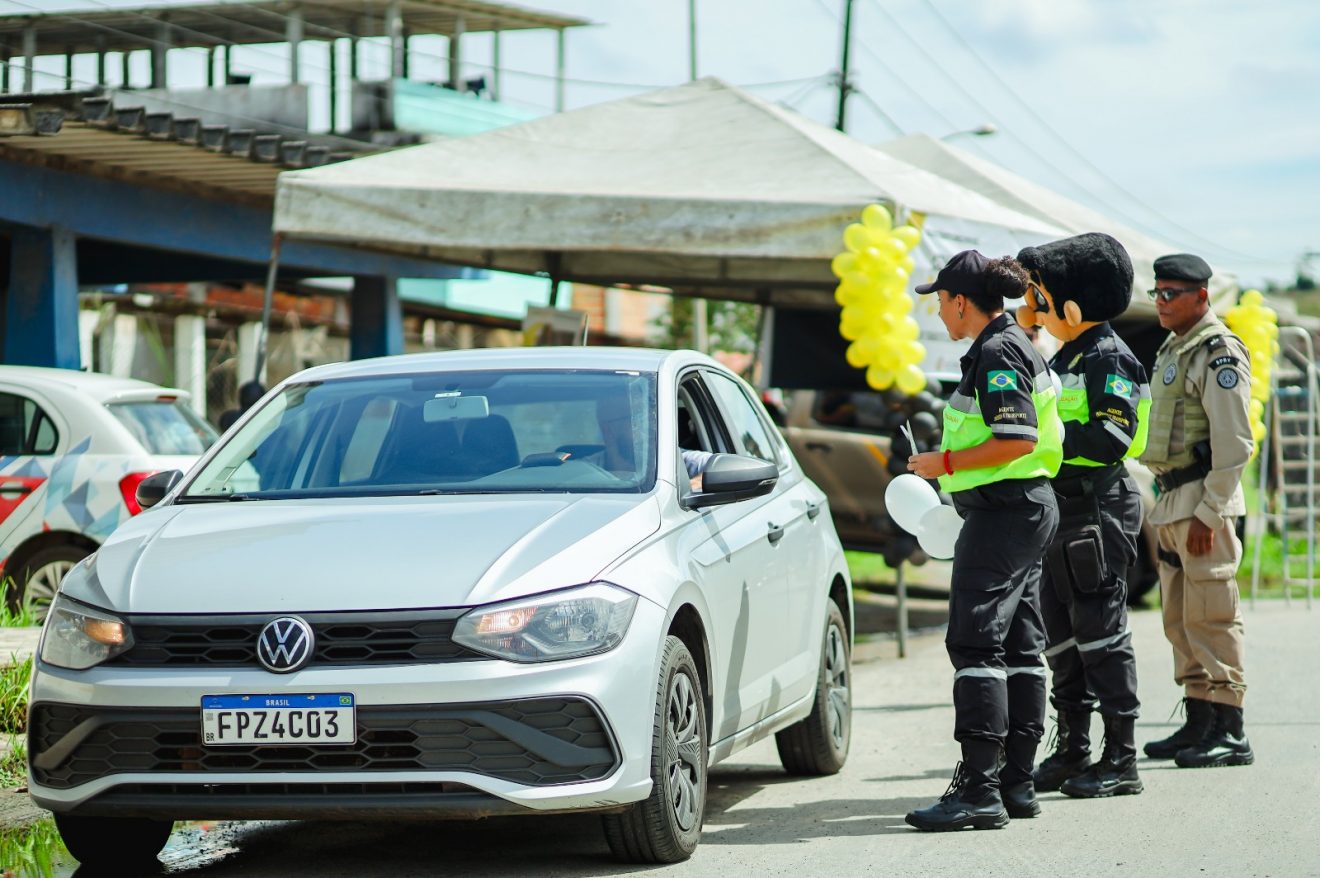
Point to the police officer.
(1199, 444)
(1077, 285)
(1002, 443)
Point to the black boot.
(972, 798)
(1116, 772)
(1072, 750)
(1016, 786)
(1200, 719)
(1226, 744)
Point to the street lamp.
(982, 131)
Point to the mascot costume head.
(1076, 283)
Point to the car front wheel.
(818, 745)
(666, 826)
(99, 842)
(36, 582)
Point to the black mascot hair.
(1092, 270)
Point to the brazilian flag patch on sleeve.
(1118, 385)
(1002, 380)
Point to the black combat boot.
(1200, 719)
(1116, 772)
(972, 798)
(1072, 750)
(1226, 744)
(1016, 786)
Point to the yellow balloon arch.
(1257, 325)
(873, 270)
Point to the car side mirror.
(153, 488)
(729, 478)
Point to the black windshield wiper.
(214, 498)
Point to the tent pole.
(266, 302)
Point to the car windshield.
(164, 426)
(443, 432)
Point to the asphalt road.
(1251, 821)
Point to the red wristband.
(948, 464)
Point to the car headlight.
(78, 636)
(557, 625)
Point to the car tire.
(38, 578)
(818, 745)
(113, 841)
(665, 827)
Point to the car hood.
(361, 554)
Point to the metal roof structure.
(242, 22)
(88, 133)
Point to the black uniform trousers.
(996, 633)
(1084, 597)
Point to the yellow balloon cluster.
(873, 274)
(1258, 326)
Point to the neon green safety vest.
(1074, 406)
(965, 428)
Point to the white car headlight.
(78, 636)
(557, 625)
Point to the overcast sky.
(1197, 121)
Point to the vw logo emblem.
(285, 644)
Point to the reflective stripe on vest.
(1074, 405)
(965, 428)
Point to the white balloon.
(938, 533)
(907, 499)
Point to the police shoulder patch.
(1225, 360)
(1227, 378)
(1002, 379)
(1118, 385)
(1170, 373)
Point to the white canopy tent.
(702, 188)
(1019, 194)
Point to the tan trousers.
(1202, 618)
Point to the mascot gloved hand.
(1076, 283)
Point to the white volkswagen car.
(73, 448)
(455, 584)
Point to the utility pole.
(845, 86)
(700, 318)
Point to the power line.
(1026, 107)
(879, 111)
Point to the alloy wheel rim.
(683, 765)
(43, 583)
(837, 695)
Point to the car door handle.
(776, 532)
(824, 447)
(813, 509)
(15, 488)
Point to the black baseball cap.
(963, 275)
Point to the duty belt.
(1094, 482)
(1176, 478)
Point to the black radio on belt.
(1194, 472)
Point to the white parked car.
(467, 583)
(73, 448)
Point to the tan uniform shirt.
(1220, 377)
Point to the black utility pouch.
(1084, 554)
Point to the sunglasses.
(1036, 298)
(1168, 294)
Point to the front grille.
(415, 637)
(538, 742)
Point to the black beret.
(1092, 270)
(1182, 266)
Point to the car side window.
(748, 427)
(24, 427)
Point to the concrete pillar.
(5, 58)
(29, 58)
(41, 307)
(87, 323)
(394, 30)
(293, 35)
(559, 71)
(249, 342)
(375, 328)
(160, 51)
(123, 346)
(456, 53)
(495, 73)
(190, 359)
(100, 60)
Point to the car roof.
(101, 387)
(625, 359)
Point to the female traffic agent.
(1002, 444)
